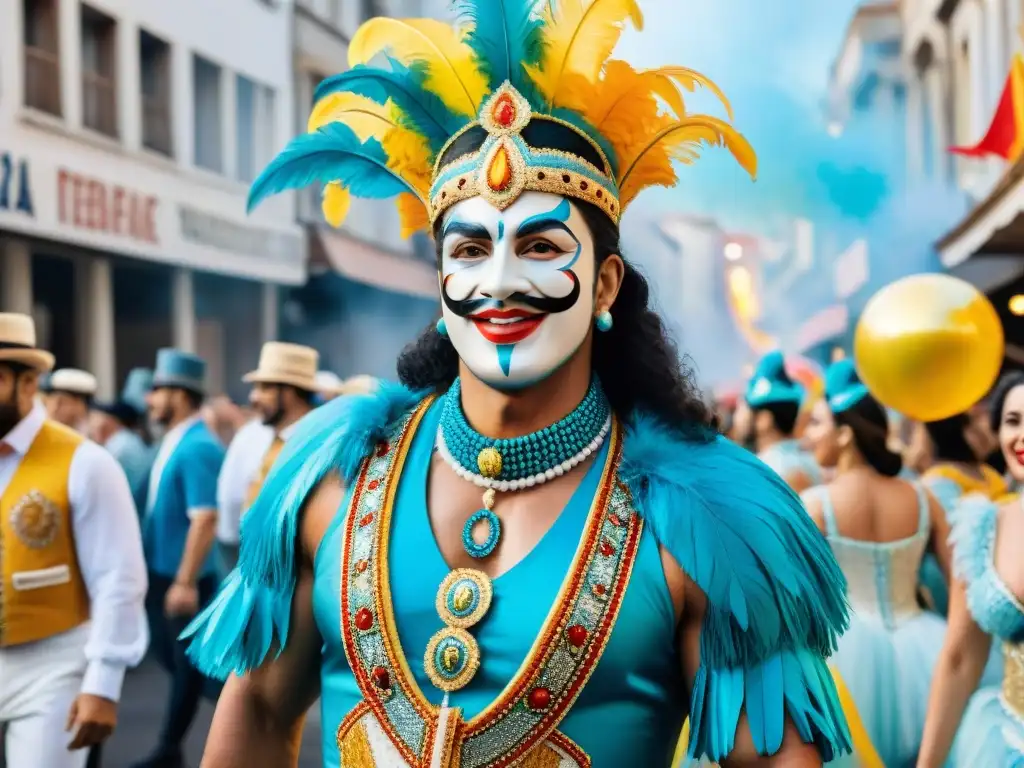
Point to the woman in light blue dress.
(879, 527)
(986, 603)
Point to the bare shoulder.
(320, 509)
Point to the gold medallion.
(36, 520)
(464, 597)
(488, 461)
(452, 659)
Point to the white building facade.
(129, 133)
(370, 291)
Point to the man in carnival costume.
(537, 551)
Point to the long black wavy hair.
(639, 366)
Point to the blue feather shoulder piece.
(249, 617)
(776, 598)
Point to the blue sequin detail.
(505, 357)
(479, 550)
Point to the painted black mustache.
(544, 304)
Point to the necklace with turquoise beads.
(512, 464)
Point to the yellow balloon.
(929, 346)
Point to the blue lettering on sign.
(15, 185)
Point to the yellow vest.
(43, 593)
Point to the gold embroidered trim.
(1013, 679)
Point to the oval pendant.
(452, 659)
(463, 598)
(473, 549)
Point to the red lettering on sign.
(87, 203)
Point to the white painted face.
(517, 286)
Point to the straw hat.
(359, 385)
(72, 381)
(18, 342)
(282, 363)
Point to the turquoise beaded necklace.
(512, 464)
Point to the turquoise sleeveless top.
(632, 708)
(787, 457)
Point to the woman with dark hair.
(959, 468)
(775, 401)
(445, 562)
(879, 526)
(986, 608)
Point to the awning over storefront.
(364, 263)
(995, 226)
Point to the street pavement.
(142, 707)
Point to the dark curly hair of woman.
(637, 362)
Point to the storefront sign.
(214, 232)
(15, 186)
(86, 203)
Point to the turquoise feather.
(423, 112)
(506, 36)
(776, 597)
(249, 618)
(333, 153)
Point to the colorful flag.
(1005, 136)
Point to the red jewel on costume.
(361, 566)
(577, 636)
(373, 485)
(504, 111)
(600, 589)
(366, 520)
(382, 449)
(615, 520)
(607, 549)
(363, 619)
(538, 698)
(381, 678)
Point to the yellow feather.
(451, 71)
(680, 141)
(579, 38)
(412, 214)
(335, 203)
(670, 79)
(367, 118)
(409, 156)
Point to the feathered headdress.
(382, 131)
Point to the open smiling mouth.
(506, 326)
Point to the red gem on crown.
(504, 110)
(381, 678)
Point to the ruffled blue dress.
(887, 656)
(788, 458)
(992, 730)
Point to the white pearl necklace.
(504, 486)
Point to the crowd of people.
(118, 520)
(924, 520)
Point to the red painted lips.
(506, 326)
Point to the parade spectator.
(68, 396)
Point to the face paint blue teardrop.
(501, 231)
(505, 357)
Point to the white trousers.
(38, 683)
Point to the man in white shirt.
(241, 465)
(284, 390)
(68, 395)
(72, 617)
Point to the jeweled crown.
(379, 131)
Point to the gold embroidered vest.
(42, 593)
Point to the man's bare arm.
(260, 716)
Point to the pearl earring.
(603, 321)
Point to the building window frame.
(157, 111)
(41, 56)
(99, 81)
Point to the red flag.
(1005, 135)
